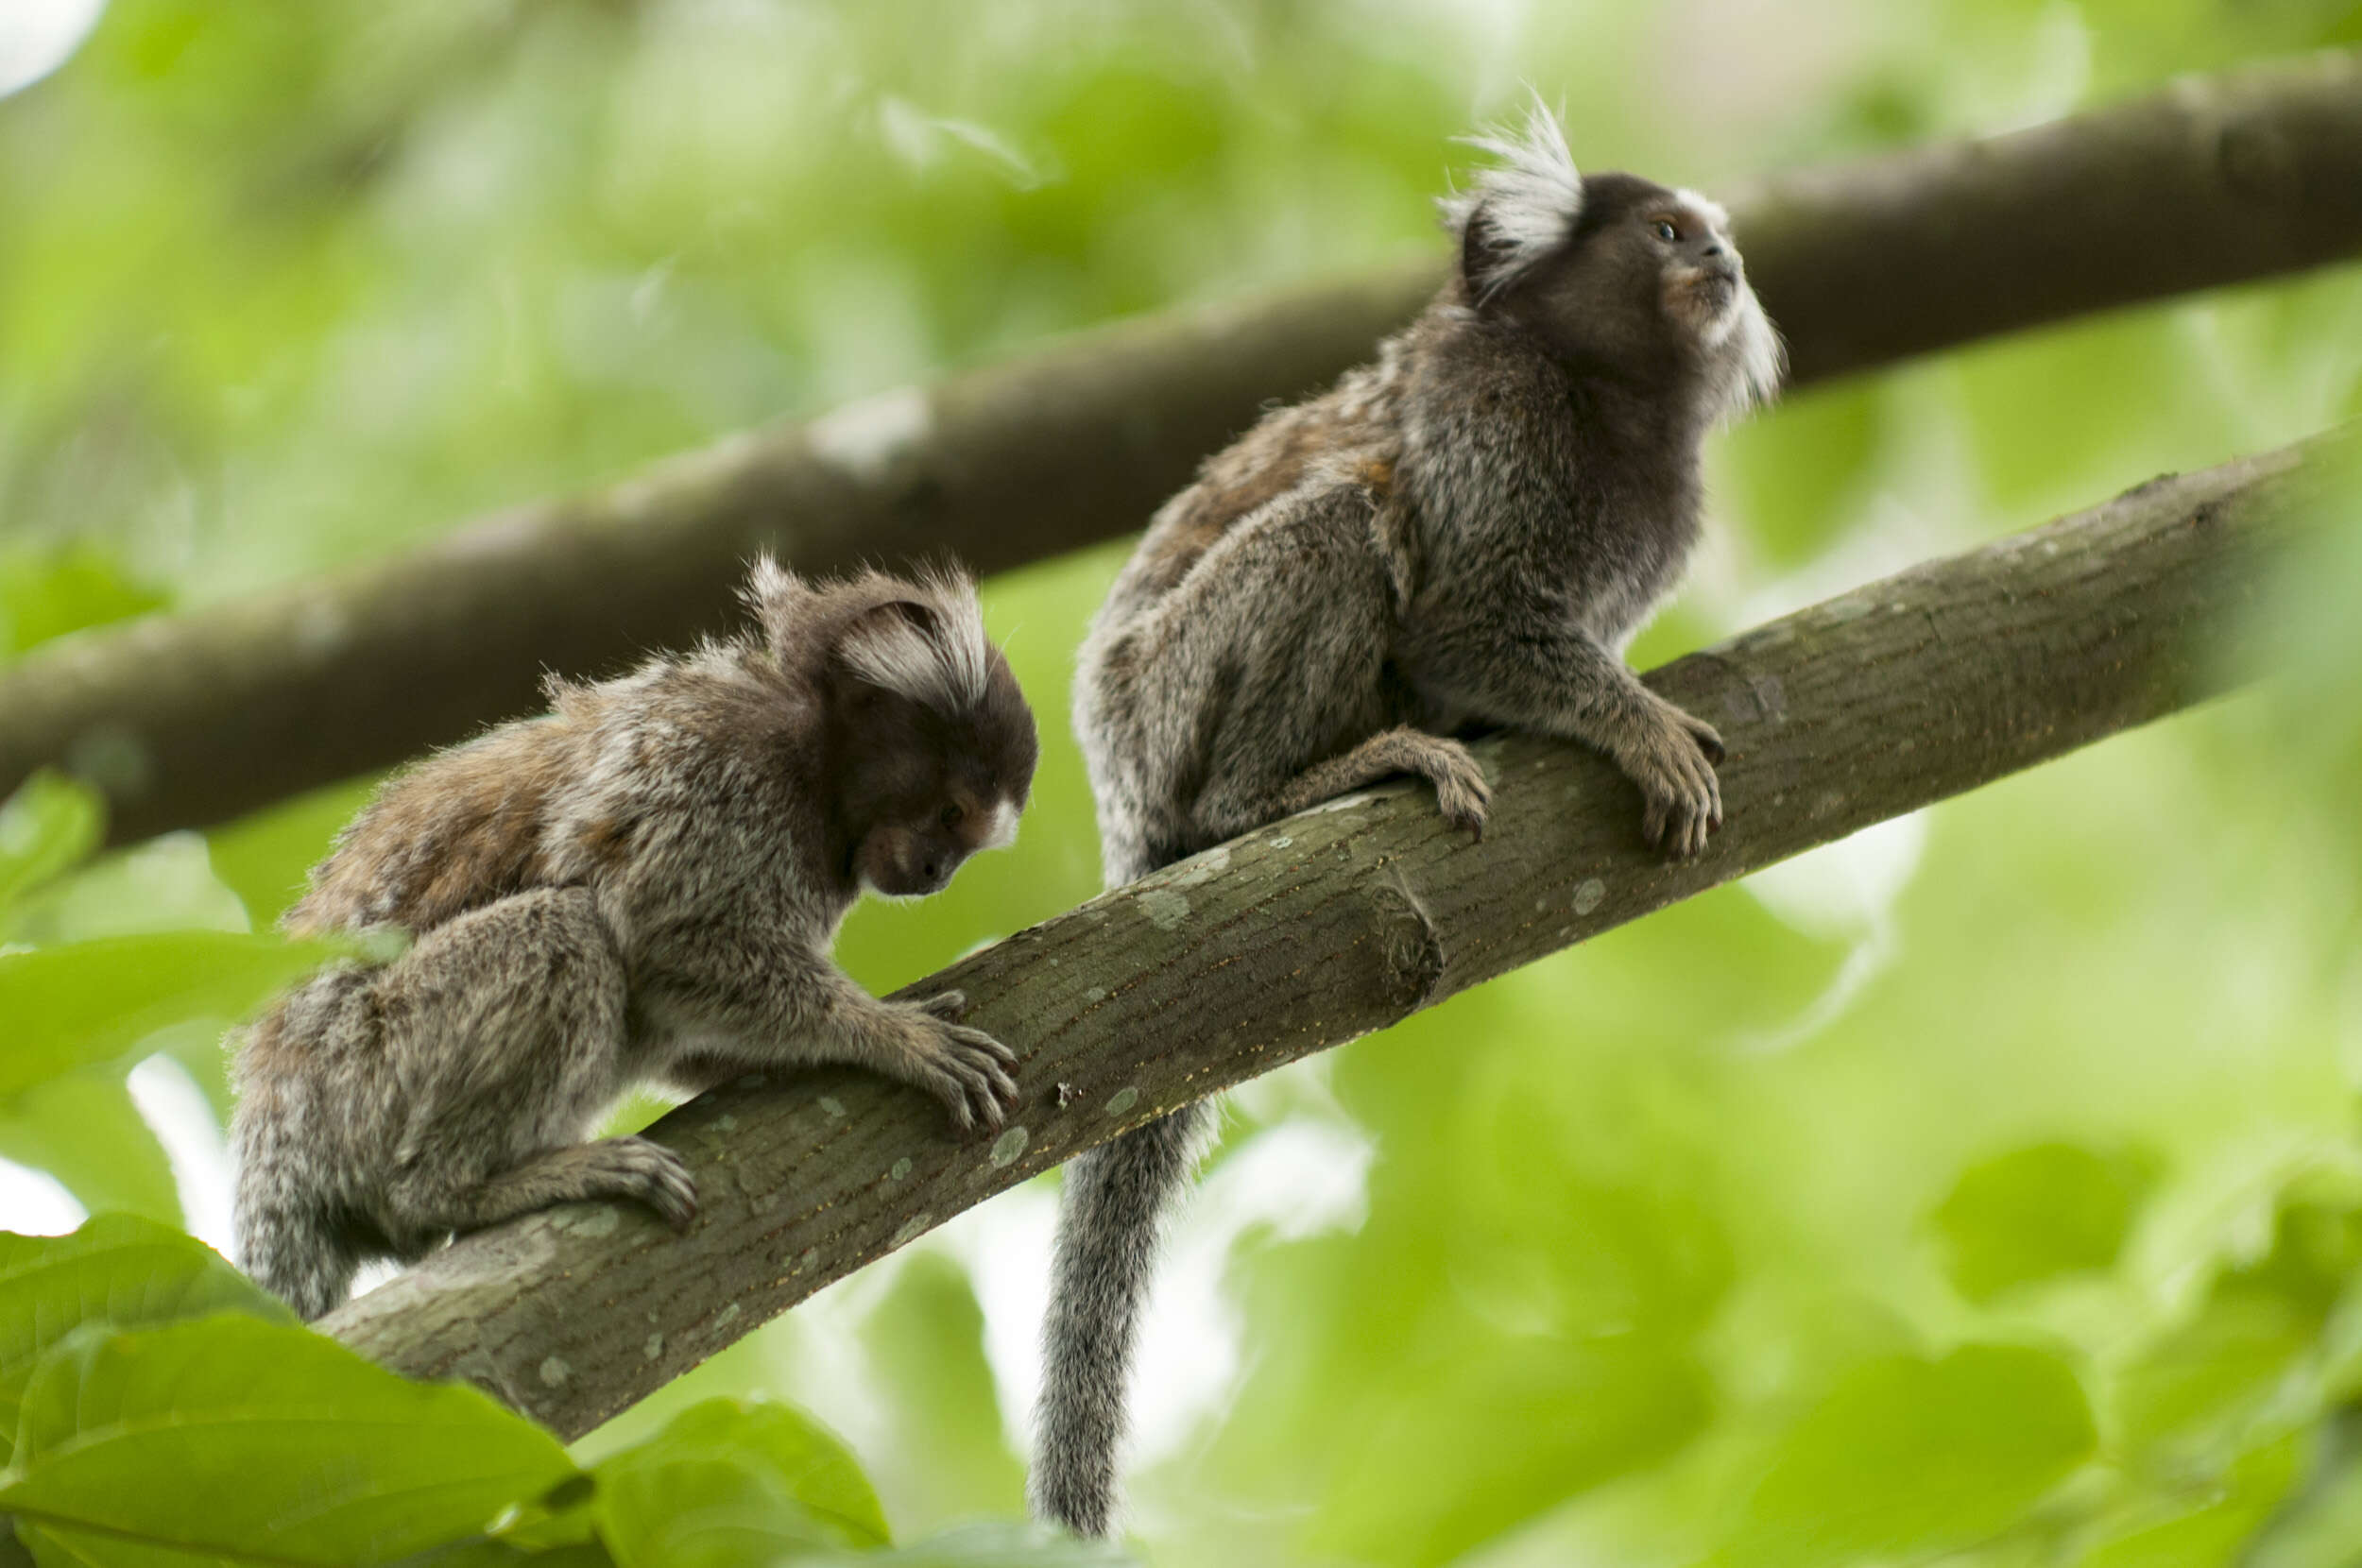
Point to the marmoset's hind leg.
(1304, 711)
(505, 1028)
(1461, 792)
(639, 1168)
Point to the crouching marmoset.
(1467, 533)
(645, 883)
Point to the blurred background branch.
(1349, 918)
(192, 719)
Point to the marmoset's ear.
(925, 641)
(1520, 210)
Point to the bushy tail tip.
(1118, 1198)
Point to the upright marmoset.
(645, 883)
(1465, 533)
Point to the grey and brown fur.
(1465, 533)
(645, 883)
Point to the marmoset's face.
(911, 857)
(1651, 281)
(932, 791)
(1700, 276)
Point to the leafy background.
(1983, 1190)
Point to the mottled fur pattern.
(1464, 534)
(643, 884)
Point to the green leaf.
(502, 1554)
(2207, 1525)
(46, 597)
(117, 1269)
(263, 858)
(1425, 1475)
(50, 822)
(83, 1128)
(1796, 473)
(994, 1544)
(2203, 1386)
(69, 1551)
(942, 1454)
(2320, 1526)
(157, 887)
(2254, 1363)
(237, 1440)
(728, 1482)
(2039, 1213)
(91, 1001)
(1908, 1456)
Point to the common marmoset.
(1465, 533)
(643, 883)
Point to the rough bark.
(1343, 920)
(192, 719)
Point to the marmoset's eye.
(1666, 230)
(951, 815)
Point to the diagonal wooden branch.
(1345, 919)
(189, 720)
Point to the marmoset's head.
(1612, 271)
(930, 743)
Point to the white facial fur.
(1761, 358)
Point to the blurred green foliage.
(1983, 1190)
(166, 1410)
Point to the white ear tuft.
(1521, 209)
(774, 593)
(938, 656)
(767, 579)
(771, 588)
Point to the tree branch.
(1345, 919)
(192, 719)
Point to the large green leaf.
(237, 1440)
(91, 1001)
(1908, 1456)
(117, 1269)
(995, 1544)
(47, 825)
(729, 1483)
(84, 1129)
(2038, 1213)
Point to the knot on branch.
(1410, 944)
